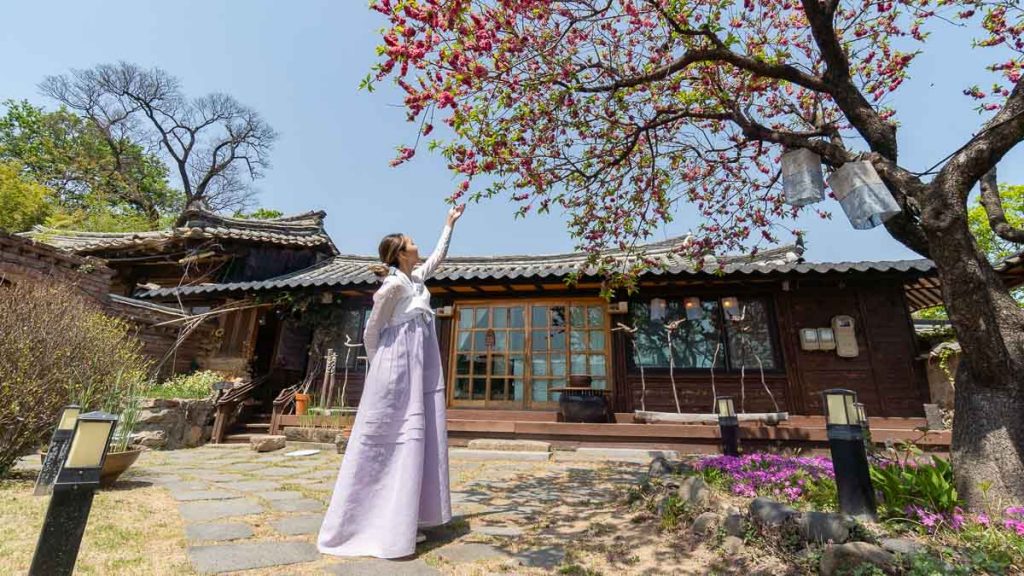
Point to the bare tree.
(217, 145)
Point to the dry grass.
(134, 529)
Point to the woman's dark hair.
(389, 249)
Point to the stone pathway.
(259, 513)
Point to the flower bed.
(791, 479)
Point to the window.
(517, 352)
(713, 338)
(352, 323)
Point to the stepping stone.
(501, 531)
(475, 455)
(193, 495)
(299, 525)
(301, 505)
(244, 467)
(217, 532)
(252, 485)
(331, 474)
(281, 472)
(279, 495)
(216, 476)
(464, 553)
(246, 556)
(378, 567)
(186, 486)
(205, 511)
(546, 558)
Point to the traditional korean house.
(770, 329)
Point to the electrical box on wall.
(826, 339)
(444, 312)
(845, 336)
(618, 307)
(809, 339)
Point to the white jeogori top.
(402, 298)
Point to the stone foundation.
(173, 424)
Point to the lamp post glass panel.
(58, 450)
(68, 511)
(849, 457)
(729, 425)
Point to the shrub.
(57, 348)
(905, 484)
(187, 386)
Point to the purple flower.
(982, 519)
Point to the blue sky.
(299, 63)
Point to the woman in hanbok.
(394, 475)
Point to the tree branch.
(993, 205)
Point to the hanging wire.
(983, 131)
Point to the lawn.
(134, 529)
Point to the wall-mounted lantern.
(731, 305)
(849, 457)
(693, 308)
(658, 309)
(802, 181)
(863, 195)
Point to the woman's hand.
(454, 214)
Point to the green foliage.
(259, 214)
(903, 484)
(715, 477)
(23, 202)
(57, 348)
(187, 386)
(673, 510)
(95, 178)
(993, 246)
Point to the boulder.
(150, 438)
(341, 442)
(849, 556)
(706, 524)
(267, 442)
(162, 417)
(659, 467)
(903, 546)
(732, 545)
(769, 512)
(695, 492)
(735, 524)
(823, 527)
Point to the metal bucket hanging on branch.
(802, 182)
(863, 195)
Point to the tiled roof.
(303, 230)
(353, 271)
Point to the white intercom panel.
(846, 337)
(809, 339)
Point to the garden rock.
(341, 442)
(267, 443)
(823, 527)
(853, 554)
(903, 546)
(150, 439)
(735, 524)
(706, 524)
(769, 512)
(732, 545)
(695, 492)
(659, 467)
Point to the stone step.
(471, 454)
(256, 425)
(509, 445)
(640, 455)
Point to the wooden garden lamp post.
(849, 458)
(729, 425)
(76, 483)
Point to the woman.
(394, 476)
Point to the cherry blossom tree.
(625, 113)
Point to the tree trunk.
(988, 423)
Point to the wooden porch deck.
(806, 432)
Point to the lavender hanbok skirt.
(394, 475)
